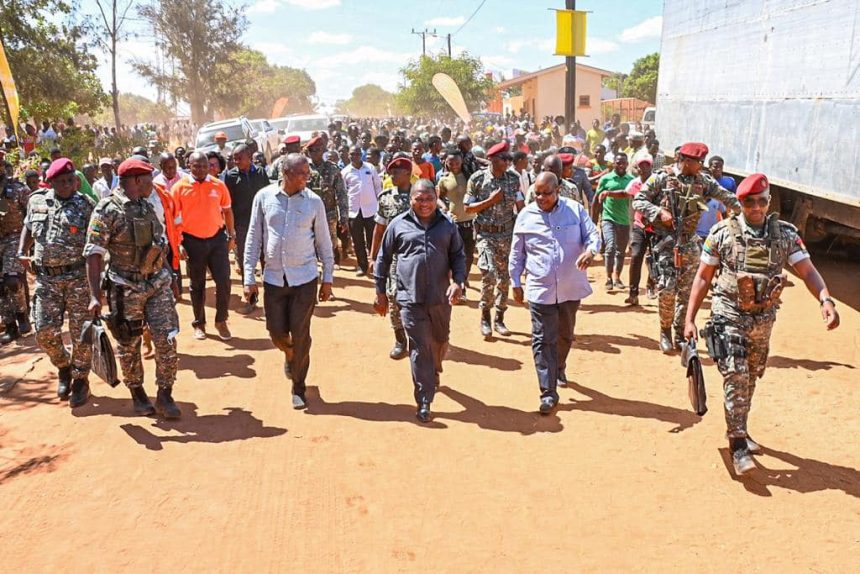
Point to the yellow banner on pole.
(8, 90)
(570, 32)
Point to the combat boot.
(140, 401)
(499, 326)
(80, 393)
(486, 328)
(164, 404)
(741, 457)
(666, 341)
(11, 334)
(399, 349)
(65, 379)
(24, 326)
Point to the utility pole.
(449, 45)
(570, 82)
(424, 35)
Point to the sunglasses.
(756, 201)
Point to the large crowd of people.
(415, 203)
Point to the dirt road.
(623, 478)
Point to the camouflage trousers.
(493, 252)
(150, 302)
(744, 365)
(391, 292)
(673, 299)
(13, 299)
(332, 231)
(54, 297)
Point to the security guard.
(56, 225)
(750, 252)
(139, 283)
(394, 200)
(13, 300)
(674, 202)
(493, 194)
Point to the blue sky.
(346, 43)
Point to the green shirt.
(615, 209)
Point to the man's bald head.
(547, 178)
(552, 163)
(197, 155)
(293, 162)
(546, 190)
(423, 186)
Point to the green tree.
(417, 95)
(368, 100)
(262, 85)
(196, 37)
(50, 58)
(642, 81)
(114, 14)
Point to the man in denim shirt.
(554, 241)
(288, 221)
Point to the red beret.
(566, 158)
(694, 150)
(292, 140)
(497, 149)
(312, 142)
(753, 185)
(399, 163)
(60, 166)
(133, 167)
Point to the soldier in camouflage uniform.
(56, 225)
(13, 298)
(493, 194)
(327, 182)
(674, 202)
(139, 283)
(394, 200)
(750, 252)
(566, 188)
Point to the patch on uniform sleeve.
(96, 226)
(710, 245)
(799, 242)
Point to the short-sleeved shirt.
(710, 217)
(392, 202)
(58, 227)
(200, 205)
(454, 187)
(615, 209)
(718, 250)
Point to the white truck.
(772, 86)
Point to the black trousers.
(427, 328)
(288, 320)
(361, 229)
(241, 236)
(467, 233)
(638, 248)
(552, 337)
(211, 254)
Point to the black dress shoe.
(80, 393)
(65, 381)
(140, 401)
(547, 404)
(299, 402)
(423, 413)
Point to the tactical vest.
(11, 210)
(689, 204)
(757, 280)
(137, 248)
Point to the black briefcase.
(104, 361)
(695, 378)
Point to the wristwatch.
(827, 300)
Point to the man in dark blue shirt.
(429, 253)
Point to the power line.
(469, 19)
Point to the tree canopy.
(368, 100)
(417, 95)
(641, 83)
(50, 58)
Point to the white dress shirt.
(363, 186)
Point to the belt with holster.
(59, 269)
(132, 276)
(491, 228)
(466, 224)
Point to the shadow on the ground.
(779, 362)
(217, 367)
(809, 475)
(340, 304)
(497, 417)
(471, 357)
(27, 393)
(612, 343)
(373, 412)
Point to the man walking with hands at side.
(291, 220)
(554, 241)
(429, 251)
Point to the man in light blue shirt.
(288, 221)
(554, 242)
